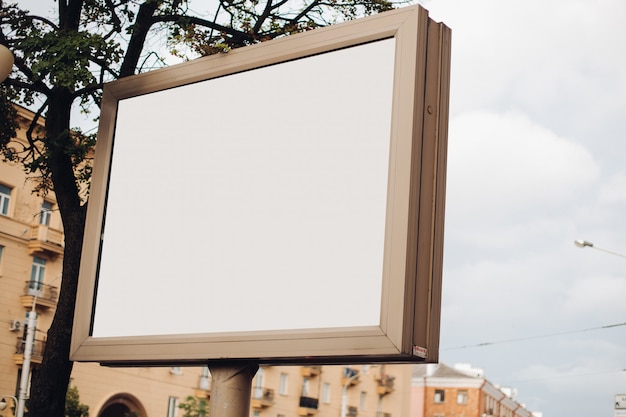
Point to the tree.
(61, 62)
(195, 407)
(73, 406)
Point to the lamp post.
(28, 352)
(29, 343)
(347, 381)
(3, 403)
(585, 244)
(6, 62)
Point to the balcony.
(350, 377)
(308, 406)
(204, 387)
(45, 241)
(202, 393)
(262, 397)
(36, 355)
(310, 371)
(381, 414)
(351, 411)
(40, 295)
(384, 384)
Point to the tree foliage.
(194, 407)
(62, 59)
(73, 406)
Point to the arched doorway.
(122, 405)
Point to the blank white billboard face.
(282, 202)
(226, 214)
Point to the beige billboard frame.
(413, 248)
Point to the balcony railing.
(384, 384)
(262, 397)
(308, 402)
(352, 411)
(308, 406)
(43, 295)
(350, 377)
(44, 240)
(36, 355)
(310, 371)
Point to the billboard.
(282, 202)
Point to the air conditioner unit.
(15, 325)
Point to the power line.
(520, 339)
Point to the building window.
(5, 198)
(172, 407)
(462, 396)
(256, 413)
(439, 396)
(305, 387)
(45, 213)
(326, 393)
(1, 249)
(257, 388)
(282, 387)
(37, 273)
(362, 400)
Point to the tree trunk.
(50, 381)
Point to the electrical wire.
(521, 339)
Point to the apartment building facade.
(438, 390)
(31, 255)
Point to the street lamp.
(349, 375)
(6, 62)
(3, 403)
(586, 244)
(31, 327)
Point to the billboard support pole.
(231, 389)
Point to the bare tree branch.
(143, 23)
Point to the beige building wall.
(371, 391)
(22, 240)
(374, 390)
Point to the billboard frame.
(411, 297)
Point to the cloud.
(504, 164)
(536, 160)
(614, 190)
(601, 296)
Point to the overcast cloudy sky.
(537, 144)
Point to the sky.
(536, 152)
(537, 141)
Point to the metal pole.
(344, 400)
(231, 388)
(344, 393)
(28, 351)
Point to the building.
(438, 390)
(31, 254)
